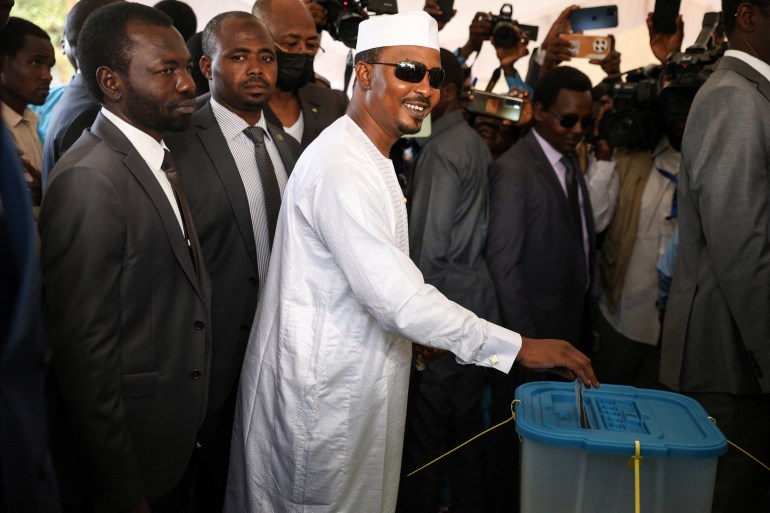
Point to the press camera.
(656, 99)
(343, 16)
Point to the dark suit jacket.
(27, 480)
(534, 252)
(220, 210)
(716, 336)
(74, 100)
(321, 107)
(128, 318)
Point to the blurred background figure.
(182, 14)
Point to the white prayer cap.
(412, 28)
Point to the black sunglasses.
(570, 120)
(414, 72)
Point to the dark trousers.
(623, 361)
(446, 412)
(741, 485)
(202, 487)
(212, 457)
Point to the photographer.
(641, 224)
(508, 51)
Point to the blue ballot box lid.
(666, 424)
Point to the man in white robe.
(320, 418)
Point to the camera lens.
(504, 34)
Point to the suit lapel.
(108, 132)
(549, 174)
(222, 159)
(311, 110)
(288, 156)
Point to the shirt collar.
(13, 118)
(552, 154)
(149, 149)
(759, 65)
(231, 124)
(665, 157)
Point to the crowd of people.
(228, 287)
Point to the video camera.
(657, 99)
(504, 31)
(343, 16)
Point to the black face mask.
(294, 70)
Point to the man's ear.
(111, 83)
(744, 16)
(205, 65)
(449, 92)
(537, 111)
(364, 74)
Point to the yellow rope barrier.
(744, 451)
(512, 417)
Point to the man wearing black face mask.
(303, 108)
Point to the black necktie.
(571, 165)
(172, 172)
(270, 187)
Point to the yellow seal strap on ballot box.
(635, 462)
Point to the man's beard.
(143, 110)
(406, 129)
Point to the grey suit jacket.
(534, 251)
(128, 319)
(220, 209)
(321, 107)
(716, 336)
(449, 198)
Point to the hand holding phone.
(665, 15)
(588, 47)
(662, 44)
(495, 105)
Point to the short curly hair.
(104, 41)
(13, 33)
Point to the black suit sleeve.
(83, 251)
(508, 194)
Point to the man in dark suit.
(231, 207)
(127, 291)
(716, 335)
(75, 99)
(303, 108)
(541, 233)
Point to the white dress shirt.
(760, 66)
(152, 152)
(242, 149)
